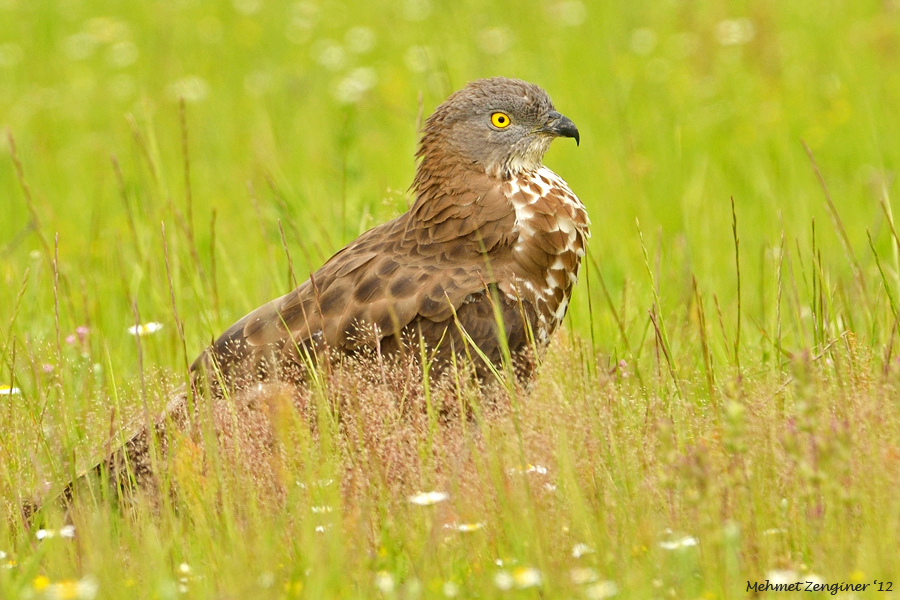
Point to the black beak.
(562, 126)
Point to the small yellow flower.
(7, 390)
(857, 576)
(529, 468)
(73, 589)
(293, 587)
(40, 582)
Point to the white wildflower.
(777, 576)
(679, 543)
(384, 581)
(67, 531)
(82, 589)
(814, 578)
(145, 328)
(601, 590)
(536, 469)
(579, 550)
(583, 575)
(428, 498)
(503, 580)
(526, 577)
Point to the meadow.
(720, 409)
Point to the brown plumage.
(490, 226)
(492, 231)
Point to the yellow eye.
(500, 120)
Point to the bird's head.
(503, 126)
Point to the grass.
(720, 409)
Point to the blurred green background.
(297, 132)
(305, 113)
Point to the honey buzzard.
(492, 231)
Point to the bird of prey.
(487, 255)
(492, 232)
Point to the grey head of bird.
(500, 126)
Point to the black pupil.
(501, 119)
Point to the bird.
(482, 266)
(491, 233)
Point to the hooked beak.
(561, 126)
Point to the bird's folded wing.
(424, 264)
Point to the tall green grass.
(720, 408)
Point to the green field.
(721, 407)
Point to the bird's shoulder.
(423, 264)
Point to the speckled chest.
(552, 226)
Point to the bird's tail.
(127, 464)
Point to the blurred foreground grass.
(697, 426)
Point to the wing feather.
(421, 265)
